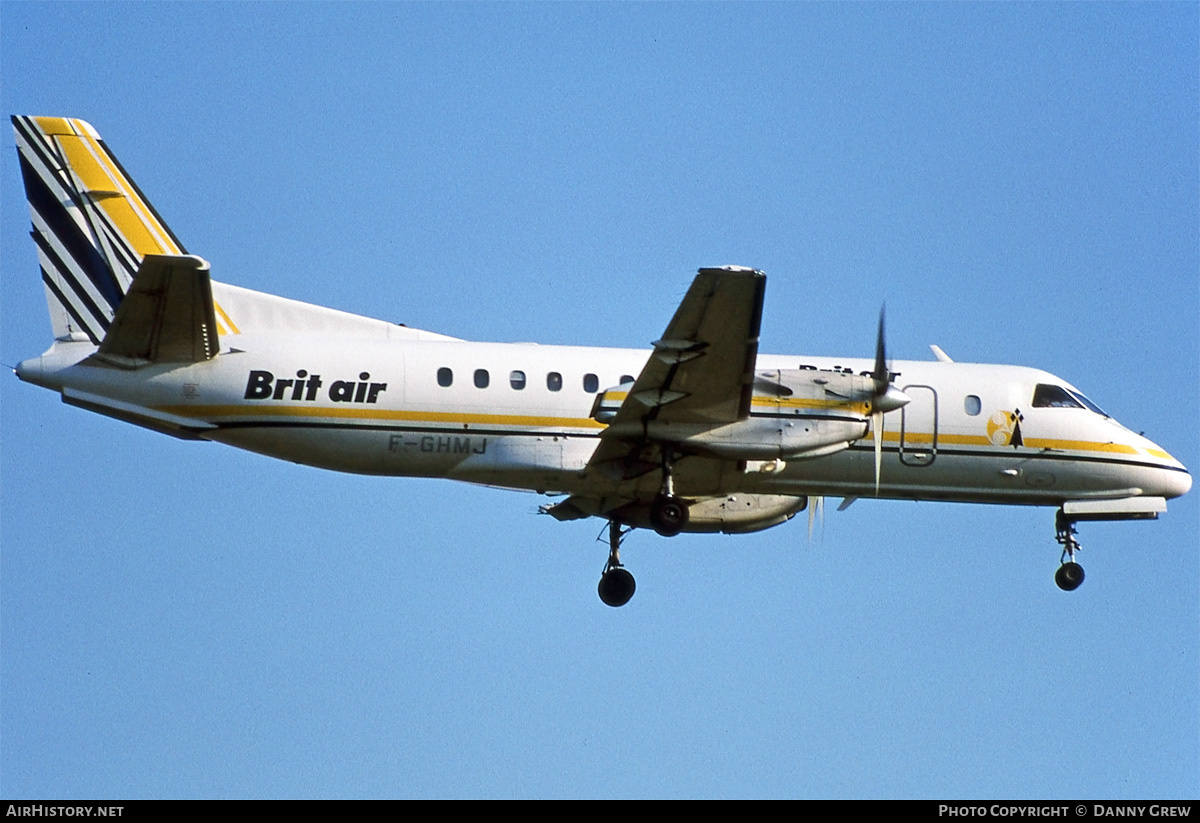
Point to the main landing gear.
(616, 583)
(1069, 574)
(668, 516)
(668, 513)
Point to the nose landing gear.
(1069, 574)
(616, 583)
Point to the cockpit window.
(1047, 396)
(1088, 403)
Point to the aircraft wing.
(701, 372)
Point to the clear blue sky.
(1019, 182)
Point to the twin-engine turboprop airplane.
(700, 434)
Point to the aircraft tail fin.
(91, 224)
(93, 229)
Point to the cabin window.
(591, 383)
(1046, 396)
(516, 379)
(972, 405)
(482, 378)
(554, 381)
(627, 378)
(445, 377)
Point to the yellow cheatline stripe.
(1159, 453)
(810, 403)
(207, 412)
(1079, 445)
(1032, 442)
(233, 328)
(780, 402)
(961, 439)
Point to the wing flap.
(166, 317)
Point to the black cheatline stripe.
(287, 424)
(69, 234)
(101, 319)
(1025, 456)
(68, 307)
(145, 200)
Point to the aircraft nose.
(1176, 483)
(1173, 480)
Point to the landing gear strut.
(1069, 574)
(668, 514)
(616, 584)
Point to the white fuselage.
(519, 416)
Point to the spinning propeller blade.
(816, 511)
(884, 398)
(882, 383)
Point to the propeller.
(884, 396)
(816, 512)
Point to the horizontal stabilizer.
(166, 317)
(163, 422)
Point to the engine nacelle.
(794, 414)
(731, 514)
(788, 436)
